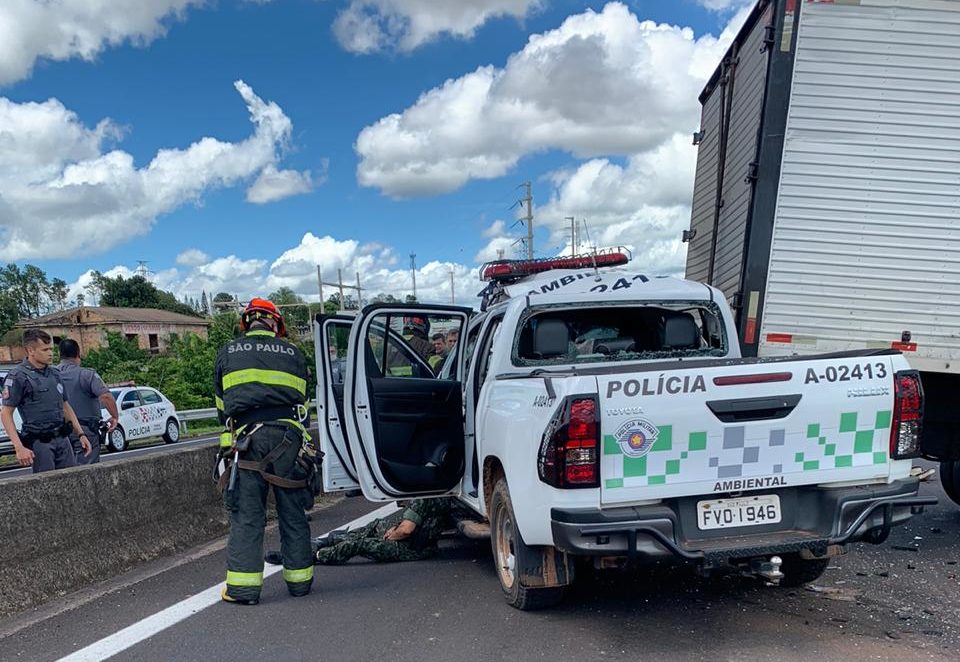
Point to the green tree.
(58, 292)
(295, 312)
(27, 292)
(137, 292)
(332, 305)
(204, 306)
(9, 314)
(119, 360)
(222, 302)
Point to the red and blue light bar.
(516, 269)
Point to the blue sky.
(164, 82)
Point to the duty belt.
(47, 434)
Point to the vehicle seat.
(551, 338)
(679, 332)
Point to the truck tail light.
(570, 452)
(907, 424)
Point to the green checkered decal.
(855, 439)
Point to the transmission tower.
(413, 272)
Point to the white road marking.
(146, 628)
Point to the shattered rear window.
(590, 334)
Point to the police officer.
(35, 388)
(260, 381)
(87, 394)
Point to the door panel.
(152, 410)
(331, 334)
(131, 416)
(406, 426)
(420, 445)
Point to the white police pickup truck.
(607, 414)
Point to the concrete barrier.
(63, 530)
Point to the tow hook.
(769, 570)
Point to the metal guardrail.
(203, 414)
(185, 415)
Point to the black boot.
(330, 539)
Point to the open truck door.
(331, 333)
(405, 424)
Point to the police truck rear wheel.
(172, 434)
(507, 547)
(117, 440)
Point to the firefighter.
(260, 384)
(416, 331)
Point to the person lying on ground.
(410, 534)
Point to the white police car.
(144, 412)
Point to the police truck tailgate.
(746, 427)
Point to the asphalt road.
(899, 601)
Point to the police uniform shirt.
(37, 393)
(83, 387)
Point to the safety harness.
(307, 458)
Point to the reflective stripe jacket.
(258, 370)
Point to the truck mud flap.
(543, 567)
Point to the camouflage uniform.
(430, 516)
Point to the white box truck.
(826, 203)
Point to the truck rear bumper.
(813, 518)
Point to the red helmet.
(258, 309)
(419, 324)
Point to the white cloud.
(726, 5)
(296, 268)
(192, 257)
(229, 274)
(496, 229)
(644, 205)
(604, 86)
(602, 83)
(64, 29)
(224, 274)
(497, 248)
(62, 193)
(501, 240)
(367, 26)
(273, 185)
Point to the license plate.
(743, 511)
